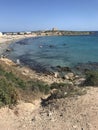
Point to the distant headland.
(52, 32)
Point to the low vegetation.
(13, 88)
(91, 78)
(62, 90)
(38, 86)
(65, 90)
(8, 93)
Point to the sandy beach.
(5, 40)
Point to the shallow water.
(54, 51)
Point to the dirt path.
(78, 113)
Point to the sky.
(29, 15)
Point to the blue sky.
(27, 15)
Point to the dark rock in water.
(58, 66)
(38, 67)
(8, 50)
(66, 69)
(64, 44)
(51, 46)
(84, 67)
(21, 42)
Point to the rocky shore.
(48, 77)
(78, 112)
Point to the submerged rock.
(63, 69)
(51, 46)
(84, 67)
(8, 50)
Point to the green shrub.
(8, 93)
(64, 90)
(1, 71)
(38, 86)
(15, 80)
(91, 78)
(12, 78)
(9, 83)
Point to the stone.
(56, 74)
(18, 62)
(61, 114)
(49, 114)
(33, 119)
(71, 83)
(66, 77)
(65, 93)
(76, 76)
(75, 126)
(8, 50)
(79, 81)
(69, 76)
(26, 71)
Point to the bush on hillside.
(39, 86)
(62, 90)
(9, 83)
(91, 78)
(8, 93)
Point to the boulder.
(79, 81)
(69, 76)
(56, 74)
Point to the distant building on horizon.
(54, 29)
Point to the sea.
(49, 52)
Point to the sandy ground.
(10, 38)
(78, 113)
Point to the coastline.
(24, 70)
(32, 115)
(5, 41)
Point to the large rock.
(79, 81)
(56, 74)
(69, 76)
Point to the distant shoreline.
(53, 32)
(8, 38)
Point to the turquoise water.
(56, 50)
